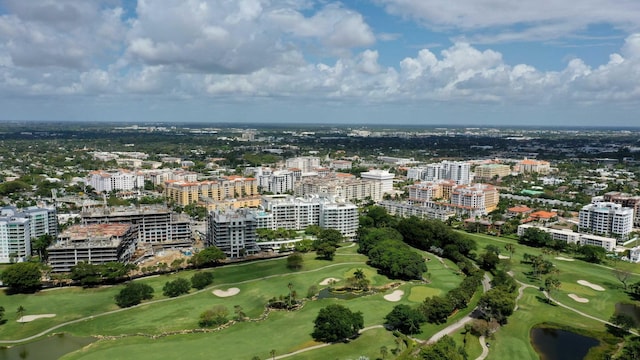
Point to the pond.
(632, 310)
(49, 348)
(345, 295)
(556, 344)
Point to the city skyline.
(303, 61)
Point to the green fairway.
(170, 326)
(512, 341)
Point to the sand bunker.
(593, 286)
(394, 296)
(227, 293)
(503, 257)
(578, 298)
(29, 318)
(328, 281)
(563, 258)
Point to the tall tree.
(623, 276)
(40, 245)
(510, 249)
(24, 277)
(405, 319)
(20, 311)
(497, 304)
(551, 284)
(208, 257)
(336, 322)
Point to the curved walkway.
(91, 317)
(485, 348)
(486, 286)
(325, 344)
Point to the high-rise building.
(152, 224)
(297, 213)
(18, 227)
(458, 171)
(184, 193)
(95, 244)
(383, 177)
(304, 163)
(490, 171)
(534, 166)
(232, 231)
(606, 218)
(340, 185)
(276, 182)
(479, 197)
(108, 181)
(626, 200)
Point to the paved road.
(485, 348)
(323, 345)
(486, 285)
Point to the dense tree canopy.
(405, 319)
(208, 257)
(201, 280)
(443, 349)
(24, 277)
(335, 323)
(397, 260)
(592, 253)
(536, 238)
(295, 261)
(436, 309)
(176, 287)
(497, 304)
(133, 294)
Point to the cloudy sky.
(462, 62)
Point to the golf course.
(169, 326)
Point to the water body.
(556, 344)
(632, 310)
(347, 295)
(49, 348)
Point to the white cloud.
(244, 50)
(518, 20)
(238, 36)
(65, 33)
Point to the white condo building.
(458, 171)
(606, 218)
(277, 182)
(304, 163)
(572, 237)
(108, 181)
(233, 232)
(297, 213)
(18, 227)
(383, 177)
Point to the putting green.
(419, 293)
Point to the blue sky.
(463, 62)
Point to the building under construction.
(153, 225)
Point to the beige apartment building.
(184, 193)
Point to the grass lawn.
(512, 341)
(258, 281)
(136, 329)
(471, 345)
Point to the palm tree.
(20, 313)
(290, 286)
(511, 249)
(383, 351)
(361, 279)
